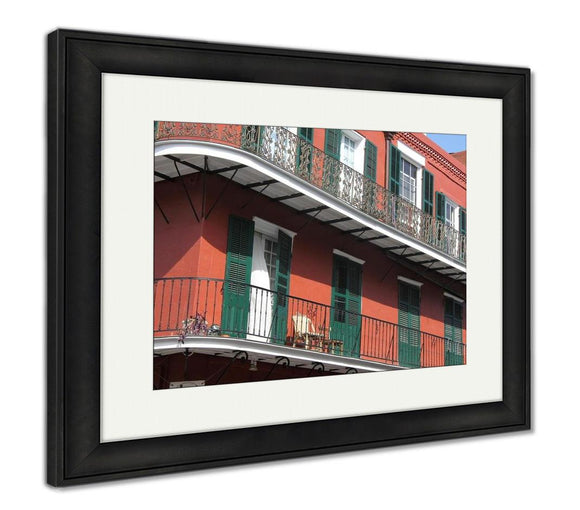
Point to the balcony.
(296, 156)
(205, 307)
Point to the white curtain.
(260, 315)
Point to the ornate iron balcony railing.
(193, 306)
(294, 155)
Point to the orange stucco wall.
(186, 247)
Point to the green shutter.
(462, 220)
(453, 332)
(236, 300)
(370, 189)
(332, 142)
(280, 319)
(305, 136)
(440, 199)
(345, 322)
(394, 170)
(251, 138)
(409, 325)
(370, 161)
(428, 192)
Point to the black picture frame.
(75, 62)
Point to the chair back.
(302, 324)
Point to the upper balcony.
(297, 157)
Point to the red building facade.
(296, 252)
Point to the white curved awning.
(254, 172)
(228, 347)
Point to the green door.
(453, 332)
(345, 323)
(236, 301)
(409, 326)
(280, 315)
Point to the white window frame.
(417, 179)
(455, 207)
(359, 149)
(419, 162)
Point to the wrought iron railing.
(194, 306)
(295, 155)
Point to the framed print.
(260, 253)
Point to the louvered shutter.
(394, 170)
(462, 220)
(440, 205)
(346, 302)
(453, 332)
(236, 297)
(280, 320)
(428, 192)
(304, 151)
(332, 142)
(370, 160)
(409, 325)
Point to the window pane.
(408, 181)
(347, 152)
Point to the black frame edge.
(54, 256)
(90, 462)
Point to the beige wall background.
(488, 472)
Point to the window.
(271, 257)
(346, 146)
(347, 151)
(270, 279)
(408, 181)
(451, 213)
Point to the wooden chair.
(304, 330)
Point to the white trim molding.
(414, 156)
(347, 256)
(455, 298)
(270, 229)
(409, 281)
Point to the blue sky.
(451, 143)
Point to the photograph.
(290, 252)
